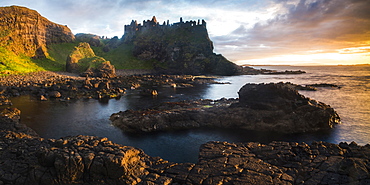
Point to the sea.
(54, 119)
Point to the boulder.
(270, 96)
(74, 63)
(83, 60)
(55, 94)
(43, 98)
(104, 70)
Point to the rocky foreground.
(66, 86)
(261, 107)
(26, 158)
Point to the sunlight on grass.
(10, 63)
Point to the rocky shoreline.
(26, 158)
(260, 107)
(65, 86)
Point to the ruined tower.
(150, 25)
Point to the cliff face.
(182, 47)
(25, 31)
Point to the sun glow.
(312, 59)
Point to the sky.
(256, 32)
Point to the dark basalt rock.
(270, 96)
(26, 158)
(105, 70)
(4, 100)
(46, 85)
(286, 72)
(262, 107)
(324, 85)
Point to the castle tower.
(154, 19)
(181, 20)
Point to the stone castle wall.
(135, 27)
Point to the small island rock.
(261, 107)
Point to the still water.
(53, 119)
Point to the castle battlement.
(135, 27)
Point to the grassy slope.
(122, 58)
(10, 63)
(58, 54)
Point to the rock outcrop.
(93, 40)
(26, 158)
(83, 60)
(179, 48)
(25, 31)
(29, 159)
(262, 107)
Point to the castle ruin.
(148, 25)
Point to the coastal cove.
(54, 119)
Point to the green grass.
(10, 63)
(93, 62)
(60, 52)
(56, 61)
(122, 58)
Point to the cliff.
(26, 32)
(182, 47)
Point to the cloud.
(239, 29)
(302, 26)
(96, 15)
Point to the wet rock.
(43, 98)
(26, 158)
(4, 101)
(11, 113)
(70, 85)
(148, 92)
(269, 96)
(55, 94)
(105, 70)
